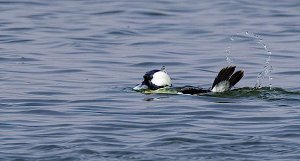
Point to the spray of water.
(266, 72)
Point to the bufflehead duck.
(155, 79)
(225, 80)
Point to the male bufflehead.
(225, 80)
(155, 79)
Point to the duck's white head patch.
(155, 79)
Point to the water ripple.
(41, 112)
(111, 12)
(13, 3)
(151, 13)
(143, 64)
(67, 72)
(22, 59)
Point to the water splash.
(228, 51)
(266, 72)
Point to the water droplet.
(265, 46)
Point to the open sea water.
(67, 68)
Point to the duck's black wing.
(192, 90)
(227, 77)
(224, 75)
(236, 77)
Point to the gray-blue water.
(67, 69)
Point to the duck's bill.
(140, 87)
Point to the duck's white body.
(221, 87)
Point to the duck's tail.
(226, 79)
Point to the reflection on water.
(68, 68)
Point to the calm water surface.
(67, 69)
